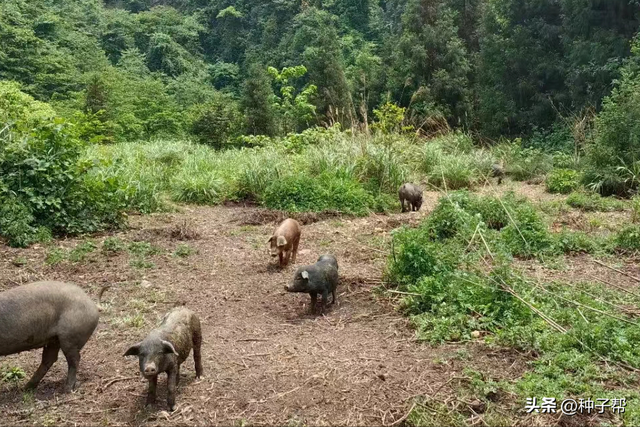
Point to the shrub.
(523, 163)
(574, 242)
(450, 217)
(16, 107)
(612, 166)
(628, 238)
(528, 235)
(302, 193)
(562, 181)
(46, 184)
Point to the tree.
(257, 102)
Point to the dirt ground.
(267, 361)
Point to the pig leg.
(314, 300)
(295, 249)
(73, 359)
(333, 294)
(281, 258)
(402, 203)
(178, 376)
(171, 393)
(325, 299)
(197, 356)
(49, 357)
(289, 253)
(151, 394)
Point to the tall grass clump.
(523, 163)
(303, 193)
(451, 162)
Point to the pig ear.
(168, 347)
(270, 239)
(281, 241)
(305, 274)
(134, 350)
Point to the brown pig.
(284, 241)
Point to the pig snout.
(286, 288)
(150, 369)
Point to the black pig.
(318, 278)
(412, 195)
(51, 315)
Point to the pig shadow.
(141, 410)
(16, 394)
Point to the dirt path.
(267, 361)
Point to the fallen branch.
(116, 380)
(413, 294)
(401, 419)
(616, 270)
(621, 288)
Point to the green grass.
(458, 269)
(80, 252)
(55, 256)
(184, 251)
(327, 170)
(591, 202)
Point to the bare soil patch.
(266, 360)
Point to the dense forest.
(218, 69)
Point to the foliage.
(14, 373)
(301, 193)
(628, 238)
(217, 123)
(612, 165)
(562, 181)
(590, 202)
(389, 118)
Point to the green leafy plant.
(12, 374)
(562, 181)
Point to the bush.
(450, 218)
(217, 123)
(575, 242)
(612, 165)
(628, 238)
(562, 181)
(20, 109)
(528, 235)
(46, 186)
(302, 193)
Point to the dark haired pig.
(318, 278)
(166, 347)
(412, 194)
(497, 171)
(330, 259)
(284, 241)
(53, 315)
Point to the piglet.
(284, 241)
(166, 347)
